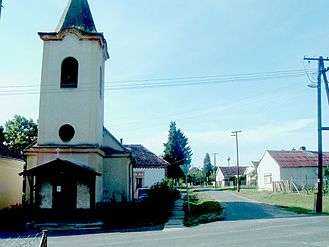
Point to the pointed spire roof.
(77, 15)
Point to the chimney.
(121, 141)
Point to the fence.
(33, 240)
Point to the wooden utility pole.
(235, 134)
(321, 72)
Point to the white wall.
(267, 166)
(220, 178)
(81, 107)
(301, 176)
(151, 175)
(11, 183)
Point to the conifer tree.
(177, 151)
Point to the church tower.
(71, 109)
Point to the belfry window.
(69, 73)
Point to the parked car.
(142, 193)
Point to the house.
(226, 175)
(298, 166)
(148, 168)
(11, 184)
(251, 174)
(76, 162)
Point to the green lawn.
(299, 203)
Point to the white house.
(251, 174)
(11, 184)
(148, 168)
(226, 175)
(298, 166)
(76, 162)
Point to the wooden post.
(44, 241)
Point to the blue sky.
(161, 39)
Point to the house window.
(139, 183)
(268, 178)
(69, 73)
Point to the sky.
(185, 38)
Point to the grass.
(203, 209)
(299, 203)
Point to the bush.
(13, 219)
(202, 210)
(154, 210)
(205, 207)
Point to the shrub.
(13, 219)
(205, 207)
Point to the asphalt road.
(241, 208)
(247, 224)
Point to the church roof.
(77, 15)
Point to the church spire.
(77, 15)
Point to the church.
(76, 162)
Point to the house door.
(64, 194)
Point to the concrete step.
(54, 226)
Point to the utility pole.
(321, 72)
(235, 134)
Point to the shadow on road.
(242, 210)
(58, 233)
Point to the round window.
(66, 133)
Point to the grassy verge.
(298, 203)
(203, 209)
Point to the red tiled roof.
(230, 171)
(144, 158)
(298, 158)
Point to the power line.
(20, 90)
(159, 81)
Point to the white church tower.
(76, 162)
(72, 84)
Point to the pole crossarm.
(325, 128)
(316, 58)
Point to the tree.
(20, 133)
(1, 6)
(177, 151)
(207, 166)
(196, 176)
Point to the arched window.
(69, 74)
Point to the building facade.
(76, 162)
(149, 169)
(11, 184)
(297, 166)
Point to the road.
(241, 208)
(247, 224)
